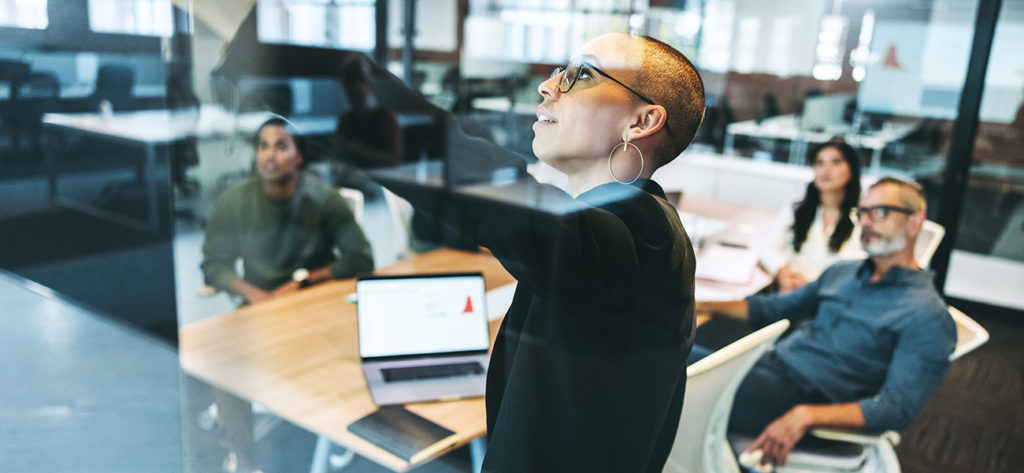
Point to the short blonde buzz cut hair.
(672, 81)
(911, 193)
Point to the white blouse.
(814, 255)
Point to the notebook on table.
(423, 337)
(403, 433)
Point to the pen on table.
(732, 245)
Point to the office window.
(323, 23)
(531, 31)
(136, 17)
(24, 14)
(987, 263)
(716, 36)
(436, 25)
(680, 28)
(828, 53)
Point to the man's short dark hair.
(300, 141)
(672, 81)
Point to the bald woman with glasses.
(587, 372)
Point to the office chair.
(12, 73)
(401, 220)
(114, 83)
(969, 334)
(769, 107)
(354, 198)
(700, 445)
(37, 94)
(876, 452)
(927, 242)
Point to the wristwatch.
(301, 276)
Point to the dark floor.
(975, 421)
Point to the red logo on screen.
(890, 59)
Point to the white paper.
(726, 264)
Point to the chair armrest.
(863, 438)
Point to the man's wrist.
(804, 415)
(320, 275)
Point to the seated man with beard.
(872, 342)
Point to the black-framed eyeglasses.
(881, 212)
(571, 73)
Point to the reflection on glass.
(24, 14)
(987, 263)
(346, 24)
(137, 17)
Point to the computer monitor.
(825, 112)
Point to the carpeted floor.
(975, 421)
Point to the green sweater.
(312, 229)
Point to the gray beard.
(886, 246)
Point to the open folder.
(728, 263)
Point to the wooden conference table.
(298, 356)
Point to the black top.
(589, 367)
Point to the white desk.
(151, 129)
(504, 105)
(166, 126)
(787, 127)
(148, 129)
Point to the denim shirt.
(884, 345)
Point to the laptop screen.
(421, 314)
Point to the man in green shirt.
(289, 228)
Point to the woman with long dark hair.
(821, 228)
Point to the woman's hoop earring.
(624, 145)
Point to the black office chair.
(769, 107)
(717, 117)
(12, 74)
(114, 83)
(38, 94)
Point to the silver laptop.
(423, 337)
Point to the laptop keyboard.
(431, 371)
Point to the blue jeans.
(767, 392)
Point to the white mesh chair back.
(700, 444)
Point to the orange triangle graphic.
(469, 306)
(890, 59)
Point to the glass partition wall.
(779, 78)
(987, 260)
(448, 108)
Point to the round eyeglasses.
(881, 212)
(571, 73)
